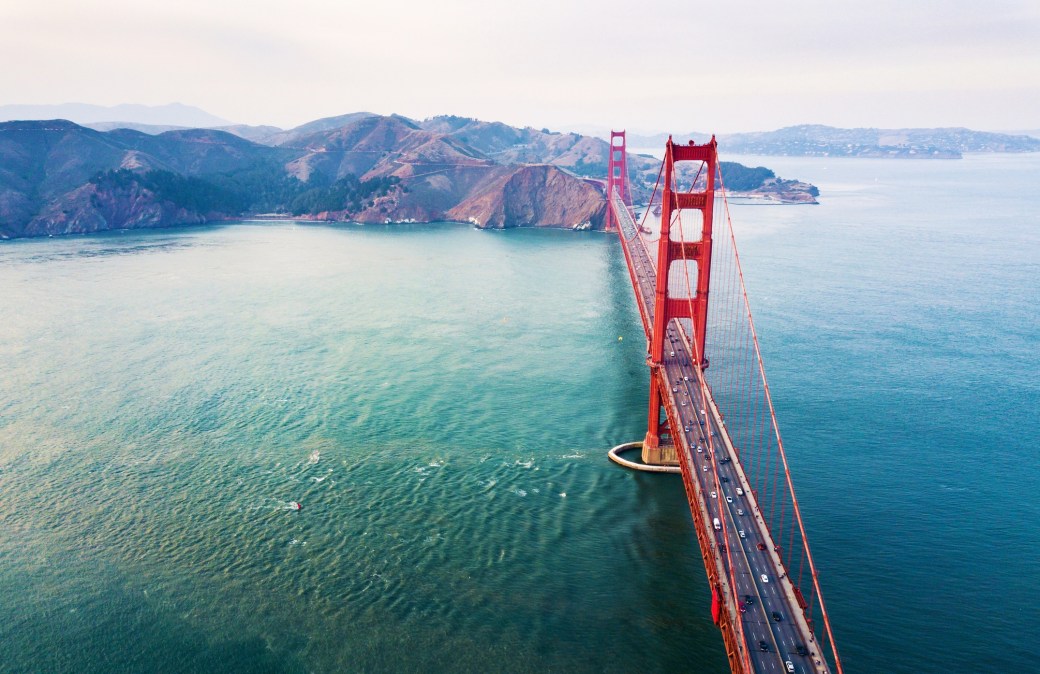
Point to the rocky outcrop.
(533, 196)
(781, 191)
(96, 208)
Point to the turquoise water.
(440, 400)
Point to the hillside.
(57, 177)
(587, 156)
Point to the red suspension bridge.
(711, 415)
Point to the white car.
(740, 511)
(765, 578)
(790, 666)
(714, 495)
(729, 499)
(742, 534)
(705, 469)
(740, 492)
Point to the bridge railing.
(737, 380)
(629, 229)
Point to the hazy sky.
(675, 65)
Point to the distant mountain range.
(169, 116)
(58, 177)
(814, 140)
(803, 140)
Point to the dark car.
(776, 616)
(802, 650)
(748, 599)
(724, 478)
(763, 646)
(761, 546)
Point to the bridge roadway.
(757, 570)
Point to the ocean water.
(440, 401)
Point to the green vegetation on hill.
(742, 178)
(263, 187)
(348, 193)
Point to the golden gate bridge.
(711, 415)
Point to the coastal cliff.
(99, 207)
(533, 196)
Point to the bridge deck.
(697, 428)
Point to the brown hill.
(532, 196)
(95, 207)
(379, 146)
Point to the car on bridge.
(763, 646)
(765, 578)
(777, 617)
(790, 666)
(761, 546)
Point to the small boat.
(295, 505)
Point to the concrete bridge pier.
(656, 454)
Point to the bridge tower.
(676, 251)
(617, 177)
